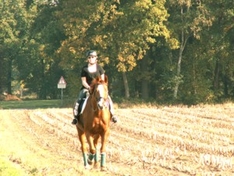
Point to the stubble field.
(176, 140)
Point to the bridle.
(100, 95)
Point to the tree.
(187, 20)
(39, 52)
(221, 40)
(122, 31)
(12, 35)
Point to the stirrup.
(75, 110)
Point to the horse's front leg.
(92, 149)
(82, 139)
(104, 138)
(96, 137)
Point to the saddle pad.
(84, 104)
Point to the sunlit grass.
(30, 104)
(7, 168)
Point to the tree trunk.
(126, 87)
(184, 40)
(177, 84)
(144, 82)
(43, 81)
(145, 89)
(9, 76)
(216, 76)
(1, 74)
(225, 86)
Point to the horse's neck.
(93, 103)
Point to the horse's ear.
(106, 79)
(98, 79)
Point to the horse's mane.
(95, 122)
(96, 81)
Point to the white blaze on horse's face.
(103, 94)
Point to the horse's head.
(99, 92)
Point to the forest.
(165, 51)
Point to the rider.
(88, 73)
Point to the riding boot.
(114, 118)
(111, 106)
(76, 114)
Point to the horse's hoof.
(96, 165)
(87, 167)
(103, 168)
(90, 162)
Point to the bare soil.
(146, 141)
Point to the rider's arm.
(84, 82)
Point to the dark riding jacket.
(91, 75)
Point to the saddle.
(81, 109)
(82, 105)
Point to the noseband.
(102, 103)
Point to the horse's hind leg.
(96, 154)
(103, 161)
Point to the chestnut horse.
(94, 123)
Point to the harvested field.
(162, 141)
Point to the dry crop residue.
(146, 141)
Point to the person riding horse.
(88, 73)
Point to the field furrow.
(198, 140)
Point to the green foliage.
(12, 33)
(158, 45)
(122, 31)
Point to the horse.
(94, 123)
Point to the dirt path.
(166, 141)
